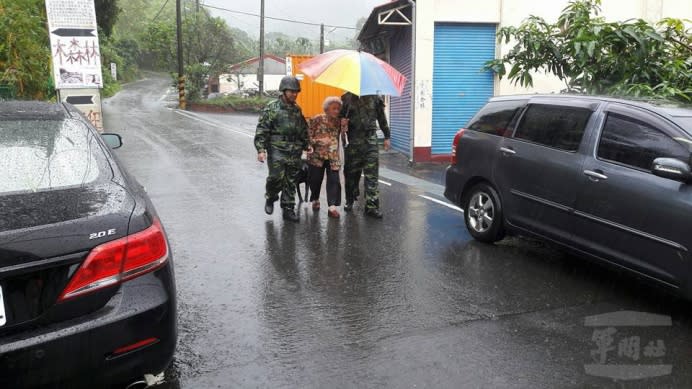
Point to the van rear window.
(496, 117)
(37, 155)
(685, 122)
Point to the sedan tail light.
(119, 260)
(455, 144)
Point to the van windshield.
(37, 155)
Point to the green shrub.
(238, 103)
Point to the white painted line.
(164, 96)
(194, 117)
(380, 181)
(446, 204)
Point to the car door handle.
(595, 175)
(507, 150)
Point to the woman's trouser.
(316, 175)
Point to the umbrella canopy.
(358, 72)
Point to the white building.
(450, 41)
(243, 75)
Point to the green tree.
(303, 45)
(282, 45)
(245, 46)
(594, 56)
(107, 12)
(208, 48)
(25, 49)
(136, 16)
(159, 46)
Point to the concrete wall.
(505, 13)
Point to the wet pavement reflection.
(404, 302)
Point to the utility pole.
(260, 66)
(197, 4)
(321, 38)
(181, 69)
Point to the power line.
(275, 18)
(165, 3)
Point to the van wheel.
(483, 214)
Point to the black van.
(606, 177)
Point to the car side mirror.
(114, 141)
(672, 168)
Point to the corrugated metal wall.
(460, 86)
(400, 107)
(312, 94)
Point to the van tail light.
(119, 260)
(455, 145)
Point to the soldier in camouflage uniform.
(280, 139)
(362, 154)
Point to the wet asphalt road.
(410, 301)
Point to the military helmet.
(289, 83)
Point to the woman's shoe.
(316, 205)
(334, 214)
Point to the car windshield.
(37, 155)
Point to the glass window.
(48, 154)
(631, 142)
(496, 117)
(684, 122)
(554, 126)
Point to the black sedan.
(87, 293)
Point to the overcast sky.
(344, 12)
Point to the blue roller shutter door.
(460, 86)
(400, 107)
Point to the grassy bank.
(236, 103)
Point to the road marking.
(194, 117)
(408, 180)
(164, 96)
(446, 204)
(385, 183)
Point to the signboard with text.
(74, 44)
(87, 101)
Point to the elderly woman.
(323, 136)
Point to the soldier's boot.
(374, 213)
(269, 207)
(289, 214)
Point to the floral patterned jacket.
(323, 136)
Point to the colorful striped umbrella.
(358, 72)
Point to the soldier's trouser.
(283, 168)
(362, 158)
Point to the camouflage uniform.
(283, 134)
(362, 153)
